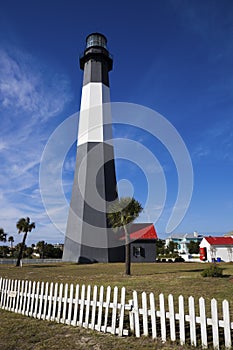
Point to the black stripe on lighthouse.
(88, 238)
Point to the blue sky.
(173, 56)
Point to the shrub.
(179, 259)
(212, 271)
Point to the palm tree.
(2, 235)
(23, 225)
(121, 214)
(11, 240)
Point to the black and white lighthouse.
(88, 238)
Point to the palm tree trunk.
(127, 253)
(21, 250)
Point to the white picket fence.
(63, 304)
(106, 310)
(195, 328)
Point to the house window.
(138, 251)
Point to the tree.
(40, 246)
(11, 240)
(160, 246)
(28, 252)
(23, 225)
(121, 214)
(51, 252)
(172, 246)
(193, 247)
(2, 235)
(4, 251)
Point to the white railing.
(106, 310)
(29, 261)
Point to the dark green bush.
(212, 271)
(179, 259)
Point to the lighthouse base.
(88, 237)
(79, 253)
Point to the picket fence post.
(144, 314)
(131, 317)
(41, 296)
(114, 310)
(65, 299)
(24, 297)
(7, 294)
(226, 323)
(54, 306)
(36, 298)
(181, 319)
(122, 312)
(8, 301)
(81, 310)
(136, 314)
(21, 297)
(45, 302)
(171, 314)
(162, 314)
(3, 281)
(107, 304)
(87, 311)
(15, 294)
(76, 304)
(214, 316)
(192, 320)
(94, 306)
(153, 316)
(202, 317)
(28, 298)
(70, 303)
(49, 312)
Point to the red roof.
(219, 240)
(142, 231)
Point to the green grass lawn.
(174, 278)
(19, 332)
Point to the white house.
(183, 240)
(216, 248)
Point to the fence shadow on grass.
(43, 266)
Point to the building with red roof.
(216, 248)
(143, 238)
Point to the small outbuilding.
(143, 238)
(216, 249)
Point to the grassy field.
(18, 332)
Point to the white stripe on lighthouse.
(95, 118)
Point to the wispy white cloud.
(215, 142)
(2, 146)
(69, 164)
(23, 87)
(32, 95)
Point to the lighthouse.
(88, 237)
